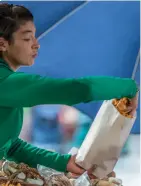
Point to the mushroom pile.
(12, 174)
(21, 173)
(111, 181)
(122, 106)
(6, 182)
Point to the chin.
(30, 63)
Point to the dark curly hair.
(11, 17)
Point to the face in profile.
(23, 48)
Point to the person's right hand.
(73, 168)
(76, 170)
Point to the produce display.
(12, 174)
(20, 173)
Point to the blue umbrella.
(86, 38)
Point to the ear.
(3, 44)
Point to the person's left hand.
(134, 104)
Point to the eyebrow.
(27, 31)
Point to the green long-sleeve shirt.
(18, 90)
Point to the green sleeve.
(23, 90)
(106, 88)
(21, 151)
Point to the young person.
(19, 47)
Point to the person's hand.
(134, 104)
(73, 168)
(112, 174)
(76, 170)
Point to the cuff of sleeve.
(58, 162)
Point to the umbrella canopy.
(86, 38)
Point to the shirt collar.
(4, 63)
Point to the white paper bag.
(105, 140)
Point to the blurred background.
(77, 39)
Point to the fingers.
(78, 170)
(112, 174)
(132, 113)
(75, 175)
(129, 109)
(134, 105)
(73, 167)
(90, 171)
(91, 176)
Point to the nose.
(36, 44)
